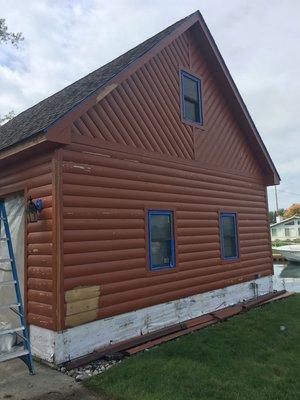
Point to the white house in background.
(288, 229)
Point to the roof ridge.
(11, 129)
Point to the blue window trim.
(199, 95)
(172, 263)
(234, 215)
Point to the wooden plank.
(227, 312)
(81, 293)
(121, 346)
(82, 306)
(81, 318)
(279, 297)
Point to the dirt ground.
(17, 384)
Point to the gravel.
(92, 369)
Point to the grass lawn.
(247, 357)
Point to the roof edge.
(284, 220)
(188, 21)
(238, 97)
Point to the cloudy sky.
(259, 39)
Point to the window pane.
(229, 236)
(190, 89)
(161, 253)
(160, 227)
(191, 111)
(161, 237)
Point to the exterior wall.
(87, 256)
(33, 177)
(130, 152)
(222, 144)
(105, 197)
(143, 112)
(286, 231)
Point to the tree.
(5, 36)
(294, 209)
(10, 115)
(272, 217)
(14, 39)
(274, 214)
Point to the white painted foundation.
(288, 284)
(59, 347)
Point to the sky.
(259, 40)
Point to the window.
(289, 223)
(274, 232)
(161, 239)
(287, 232)
(191, 97)
(229, 239)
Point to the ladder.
(22, 351)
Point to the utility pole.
(276, 200)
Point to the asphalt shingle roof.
(38, 118)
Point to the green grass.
(277, 243)
(247, 357)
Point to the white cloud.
(65, 40)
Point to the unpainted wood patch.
(82, 305)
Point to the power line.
(288, 192)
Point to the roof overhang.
(284, 221)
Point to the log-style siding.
(87, 257)
(143, 112)
(105, 198)
(33, 176)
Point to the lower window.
(229, 237)
(161, 239)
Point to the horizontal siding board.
(168, 186)
(105, 198)
(34, 174)
(82, 154)
(132, 305)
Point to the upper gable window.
(191, 98)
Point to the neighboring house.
(153, 178)
(288, 229)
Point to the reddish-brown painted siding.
(143, 112)
(33, 177)
(105, 194)
(130, 152)
(223, 143)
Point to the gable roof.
(39, 118)
(285, 220)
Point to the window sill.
(230, 260)
(161, 271)
(193, 124)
